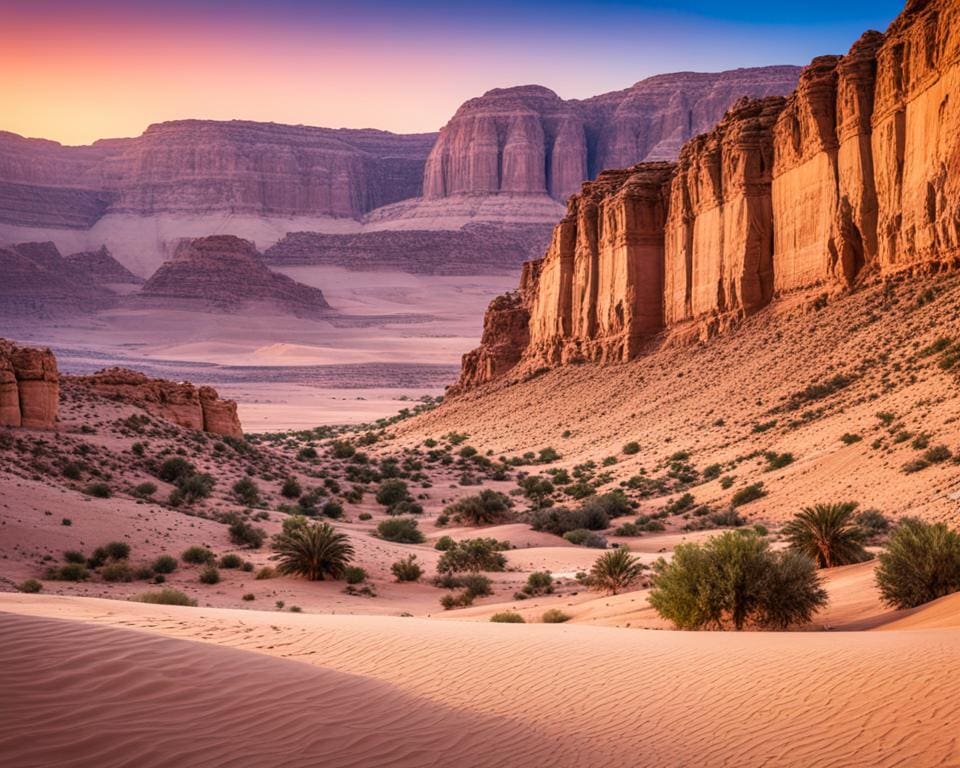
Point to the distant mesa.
(226, 274)
(102, 268)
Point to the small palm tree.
(312, 551)
(828, 534)
(615, 570)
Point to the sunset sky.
(77, 71)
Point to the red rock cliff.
(29, 387)
(856, 174)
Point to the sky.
(75, 71)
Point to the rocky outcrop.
(38, 282)
(856, 174)
(100, 267)
(29, 387)
(225, 273)
(476, 249)
(529, 140)
(206, 166)
(179, 402)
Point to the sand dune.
(468, 693)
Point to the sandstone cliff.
(179, 402)
(856, 175)
(29, 387)
(102, 268)
(529, 140)
(225, 273)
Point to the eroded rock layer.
(182, 403)
(29, 387)
(855, 175)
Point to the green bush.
(849, 438)
(392, 492)
(507, 617)
(615, 571)
(291, 488)
(165, 596)
(30, 586)
(333, 510)
(735, 580)
(354, 574)
(191, 489)
(243, 534)
(117, 550)
(342, 449)
(777, 460)
(69, 572)
(313, 550)
(402, 530)
(165, 564)
(99, 490)
(145, 490)
(560, 520)
(486, 508)
(747, 494)
(472, 555)
(210, 575)
(584, 538)
(248, 597)
(407, 569)
(937, 454)
(631, 448)
(537, 489)
(920, 563)
(873, 523)
(246, 492)
(230, 561)
(117, 571)
(538, 583)
(175, 469)
(73, 556)
(827, 534)
(198, 556)
(444, 543)
(555, 616)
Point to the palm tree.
(615, 570)
(827, 534)
(312, 551)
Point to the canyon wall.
(529, 140)
(854, 176)
(29, 387)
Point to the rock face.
(225, 273)
(29, 387)
(476, 249)
(179, 402)
(102, 268)
(38, 281)
(529, 140)
(204, 166)
(856, 175)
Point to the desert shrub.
(678, 505)
(342, 449)
(72, 471)
(937, 454)
(230, 561)
(555, 616)
(584, 538)
(444, 543)
(99, 490)
(117, 571)
(405, 508)
(210, 575)
(827, 534)
(191, 489)
(30, 586)
(538, 583)
(849, 438)
(920, 563)
(175, 469)
(615, 571)
(537, 489)
(74, 556)
(818, 391)
(407, 569)
(559, 520)
(485, 508)
(403, 530)
(248, 597)
(777, 460)
(291, 488)
(354, 574)
(631, 448)
(197, 556)
(267, 572)
(734, 580)
(727, 518)
(472, 555)
(145, 490)
(456, 601)
(69, 572)
(598, 510)
(873, 523)
(165, 596)
(392, 492)
(712, 471)
(547, 456)
(164, 564)
(243, 534)
(117, 550)
(747, 494)
(246, 492)
(507, 617)
(333, 510)
(313, 550)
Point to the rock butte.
(854, 176)
(29, 387)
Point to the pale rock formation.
(29, 387)
(225, 273)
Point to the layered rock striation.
(182, 403)
(29, 387)
(102, 268)
(855, 175)
(529, 140)
(225, 273)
